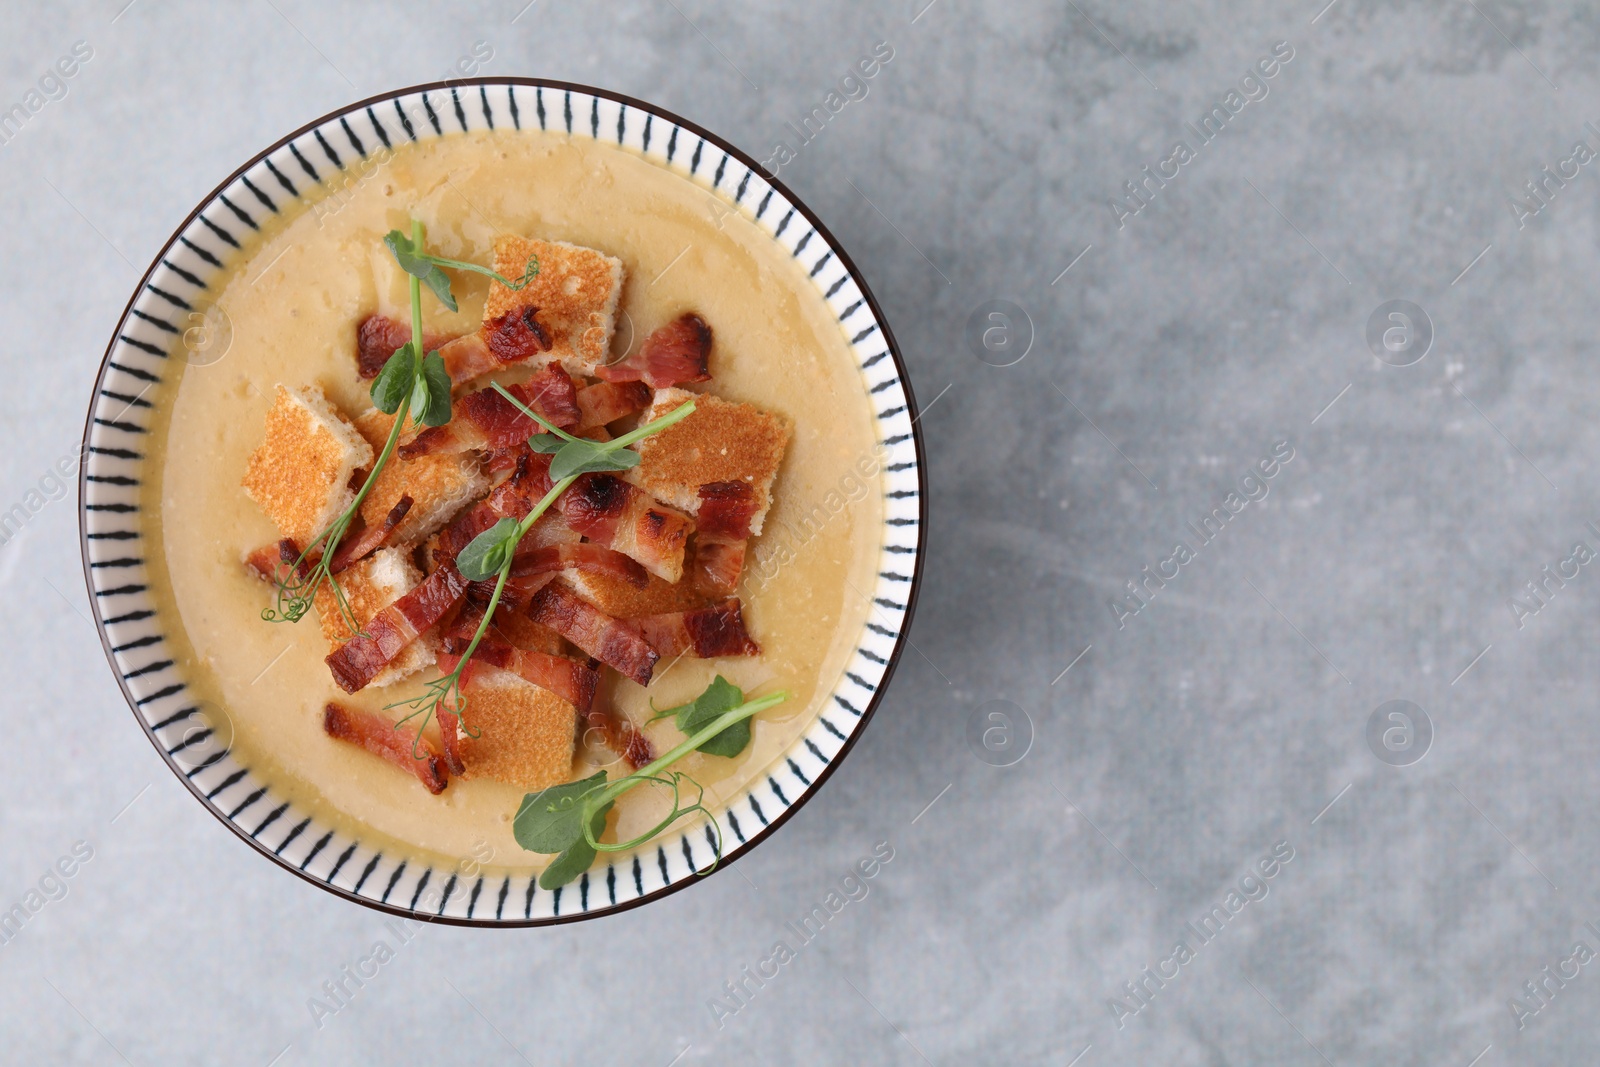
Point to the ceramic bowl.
(151, 338)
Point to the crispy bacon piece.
(725, 510)
(276, 562)
(606, 402)
(459, 534)
(358, 660)
(379, 335)
(675, 354)
(516, 335)
(718, 565)
(611, 641)
(450, 736)
(511, 338)
(617, 733)
(568, 679)
(381, 738)
(717, 630)
(583, 556)
(486, 419)
(610, 512)
(372, 538)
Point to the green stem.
(676, 415)
(728, 718)
(534, 415)
(440, 261)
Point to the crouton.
(721, 442)
(439, 484)
(300, 476)
(370, 586)
(526, 735)
(576, 292)
(623, 600)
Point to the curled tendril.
(673, 780)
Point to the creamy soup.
(294, 298)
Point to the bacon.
(516, 335)
(725, 510)
(379, 336)
(676, 353)
(611, 641)
(358, 660)
(718, 565)
(584, 556)
(276, 562)
(708, 632)
(450, 735)
(619, 734)
(375, 734)
(354, 549)
(511, 338)
(486, 419)
(566, 678)
(610, 512)
(606, 402)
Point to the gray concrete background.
(1228, 715)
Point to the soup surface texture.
(293, 300)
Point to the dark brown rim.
(750, 843)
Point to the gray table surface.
(1226, 717)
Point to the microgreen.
(720, 696)
(416, 261)
(491, 553)
(568, 819)
(408, 375)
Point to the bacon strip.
(726, 509)
(379, 335)
(618, 734)
(717, 630)
(354, 549)
(606, 402)
(379, 737)
(276, 562)
(718, 565)
(486, 419)
(450, 735)
(566, 678)
(676, 353)
(358, 660)
(611, 641)
(610, 512)
(511, 338)
(585, 556)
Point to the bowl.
(194, 737)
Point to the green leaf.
(394, 383)
(437, 410)
(581, 456)
(548, 819)
(487, 554)
(545, 442)
(576, 857)
(415, 262)
(720, 696)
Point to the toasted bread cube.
(439, 484)
(576, 292)
(300, 476)
(370, 586)
(526, 735)
(623, 600)
(722, 441)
